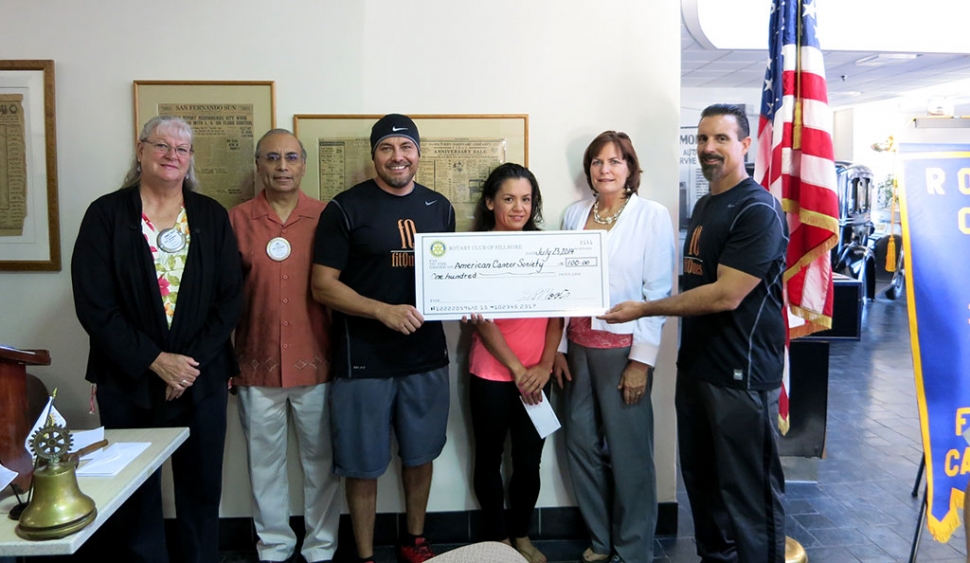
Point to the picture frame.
(227, 118)
(457, 152)
(30, 237)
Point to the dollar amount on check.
(505, 275)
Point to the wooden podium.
(15, 421)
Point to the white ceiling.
(848, 82)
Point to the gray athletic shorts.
(363, 411)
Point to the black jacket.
(117, 299)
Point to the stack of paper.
(108, 461)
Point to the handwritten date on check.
(503, 275)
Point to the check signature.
(545, 294)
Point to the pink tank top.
(526, 338)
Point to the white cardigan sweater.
(641, 263)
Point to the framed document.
(227, 119)
(504, 275)
(457, 153)
(30, 237)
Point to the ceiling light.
(939, 106)
(880, 59)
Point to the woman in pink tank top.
(510, 362)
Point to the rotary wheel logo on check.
(438, 249)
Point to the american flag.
(795, 163)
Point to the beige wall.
(575, 67)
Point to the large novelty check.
(511, 274)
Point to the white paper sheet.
(543, 417)
(84, 438)
(108, 461)
(6, 477)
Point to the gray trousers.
(729, 459)
(609, 450)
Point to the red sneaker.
(417, 553)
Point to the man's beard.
(712, 171)
(395, 181)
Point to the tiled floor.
(860, 510)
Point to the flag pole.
(796, 131)
(794, 552)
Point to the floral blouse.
(169, 266)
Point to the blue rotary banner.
(935, 204)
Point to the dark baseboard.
(458, 527)
(552, 523)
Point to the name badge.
(171, 240)
(278, 249)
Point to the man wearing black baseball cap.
(390, 367)
(394, 125)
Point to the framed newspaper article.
(29, 220)
(457, 153)
(227, 119)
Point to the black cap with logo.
(394, 125)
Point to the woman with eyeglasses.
(157, 286)
(608, 416)
(510, 361)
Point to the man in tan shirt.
(283, 346)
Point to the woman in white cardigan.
(608, 419)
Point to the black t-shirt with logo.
(743, 228)
(368, 234)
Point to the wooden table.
(108, 492)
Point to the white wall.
(843, 134)
(575, 67)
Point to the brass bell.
(57, 507)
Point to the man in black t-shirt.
(732, 349)
(390, 367)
